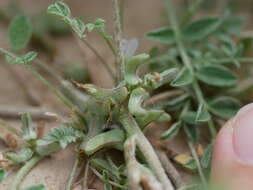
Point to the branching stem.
(118, 38)
(146, 148)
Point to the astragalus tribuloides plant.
(107, 119)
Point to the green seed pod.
(131, 66)
(104, 140)
(117, 95)
(144, 116)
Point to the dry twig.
(170, 169)
(36, 113)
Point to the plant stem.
(24, 171)
(175, 27)
(200, 170)
(86, 173)
(146, 148)
(72, 174)
(122, 11)
(118, 38)
(162, 96)
(187, 61)
(201, 99)
(101, 59)
(240, 59)
(170, 169)
(9, 128)
(44, 81)
(108, 42)
(109, 181)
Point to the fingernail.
(243, 135)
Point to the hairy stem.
(118, 38)
(200, 170)
(146, 148)
(24, 171)
(122, 11)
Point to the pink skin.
(233, 152)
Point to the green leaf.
(177, 102)
(30, 56)
(60, 9)
(2, 175)
(131, 66)
(162, 35)
(20, 157)
(105, 175)
(189, 117)
(232, 23)
(200, 29)
(172, 131)
(207, 157)
(202, 114)
(90, 26)
(184, 77)
(45, 148)
(191, 133)
(99, 22)
(197, 30)
(224, 107)
(35, 187)
(28, 132)
(216, 76)
(191, 164)
(78, 26)
(13, 61)
(19, 32)
(100, 26)
(104, 140)
(63, 135)
(104, 165)
(144, 116)
(107, 187)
